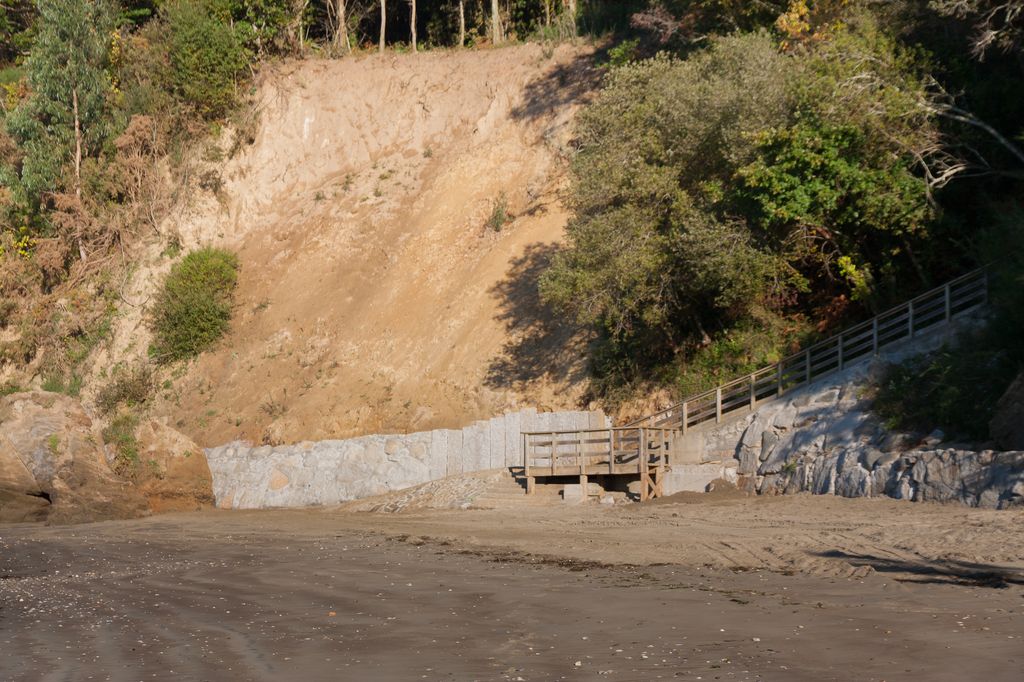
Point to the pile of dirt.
(391, 218)
(717, 490)
(454, 492)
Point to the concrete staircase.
(510, 491)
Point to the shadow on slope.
(561, 86)
(541, 345)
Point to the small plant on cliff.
(128, 387)
(499, 213)
(193, 309)
(120, 435)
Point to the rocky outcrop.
(52, 452)
(987, 479)
(825, 440)
(173, 474)
(1007, 426)
(54, 466)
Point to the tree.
(66, 117)
(462, 23)
(716, 198)
(652, 253)
(998, 24)
(412, 23)
(496, 33)
(341, 40)
(383, 24)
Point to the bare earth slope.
(373, 296)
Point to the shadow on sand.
(947, 572)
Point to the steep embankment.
(373, 294)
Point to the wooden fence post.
(611, 451)
(645, 477)
(753, 392)
(778, 381)
(553, 449)
(910, 318)
(949, 302)
(807, 361)
(874, 336)
(840, 351)
(718, 404)
(686, 415)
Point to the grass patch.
(193, 309)
(70, 385)
(9, 388)
(745, 348)
(621, 370)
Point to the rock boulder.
(173, 473)
(52, 453)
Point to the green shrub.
(193, 309)
(624, 52)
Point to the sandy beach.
(794, 588)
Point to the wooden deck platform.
(627, 451)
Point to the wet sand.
(326, 595)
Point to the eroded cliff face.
(55, 467)
(376, 292)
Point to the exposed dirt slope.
(373, 296)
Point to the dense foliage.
(730, 188)
(193, 309)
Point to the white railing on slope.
(931, 309)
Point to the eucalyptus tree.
(66, 118)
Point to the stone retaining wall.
(334, 471)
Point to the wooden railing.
(595, 452)
(925, 312)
